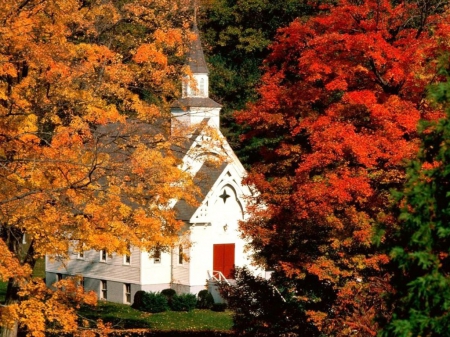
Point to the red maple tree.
(339, 104)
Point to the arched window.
(201, 87)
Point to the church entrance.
(223, 259)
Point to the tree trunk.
(12, 296)
(10, 332)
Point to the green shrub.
(154, 302)
(204, 300)
(183, 302)
(137, 302)
(169, 293)
(219, 307)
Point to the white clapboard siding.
(91, 266)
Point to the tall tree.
(73, 169)
(341, 97)
(420, 244)
(236, 36)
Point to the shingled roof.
(189, 102)
(196, 59)
(205, 179)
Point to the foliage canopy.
(86, 159)
(341, 97)
(236, 36)
(419, 246)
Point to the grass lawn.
(38, 271)
(123, 316)
(39, 268)
(3, 286)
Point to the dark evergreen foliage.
(154, 302)
(236, 35)
(204, 299)
(183, 302)
(420, 246)
(169, 293)
(219, 307)
(260, 309)
(138, 299)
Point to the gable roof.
(205, 179)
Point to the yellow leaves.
(31, 311)
(125, 211)
(317, 318)
(10, 265)
(8, 69)
(9, 315)
(65, 70)
(102, 115)
(94, 54)
(29, 123)
(145, 112)
(150, 53)
(172, 38)
(39, 305)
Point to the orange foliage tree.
(339, 104)
(85, 156)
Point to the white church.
(216, 246)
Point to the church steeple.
(198, 84)
(195, 105)
(196, 58)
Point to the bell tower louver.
(195, 106)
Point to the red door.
(223, 257)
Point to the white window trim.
(103, 256)
(103, 289)
(125, 262)
(157, 256)
(180, 255)
(126, 294)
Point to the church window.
(157, 256)
(103, 289)
(103, 255)
(201, 87)
(224, 196)
(127, 259)
(184, 88)
(180, 255)
(127, 292)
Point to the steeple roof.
(196, 58)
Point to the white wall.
(195, 115)
(223, 228)
(90, 266)
(155, 273)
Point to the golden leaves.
(72, 167)
(149, 53)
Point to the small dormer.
(195, 106)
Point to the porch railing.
(217, 276)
